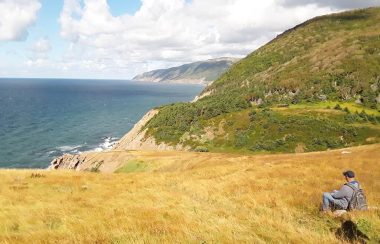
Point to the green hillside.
(334, 57)
(314, 87)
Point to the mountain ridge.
(201, 72)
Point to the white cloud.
(15, 18)
(169, 32)
(42, 45)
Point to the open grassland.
(189, 197)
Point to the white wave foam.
(107, 144)
(69, 148)
(51, 152)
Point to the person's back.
(345, 193)
(341, 199)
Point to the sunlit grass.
(189, 198)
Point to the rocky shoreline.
(135, 139)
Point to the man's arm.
(342, 193)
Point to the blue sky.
(121, 38)
(47, 26)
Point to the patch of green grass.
(133, 166)
(351, 106)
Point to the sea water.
(41, 119)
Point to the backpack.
(358, 200)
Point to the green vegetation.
(288, 130)
(329, 64)
(350, 106)
(331, 57)
(132, 166)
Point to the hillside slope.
(333, 57)
(171, 197)
(203, 72)
(282, 96)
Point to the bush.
(337, 107)
(252, 115)
(352, 118)
(201, 149)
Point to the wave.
(69, 148)
(107, 144)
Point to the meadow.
(189, 197)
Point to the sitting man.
(341, 199)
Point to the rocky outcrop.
(107, 161)
(68, 161)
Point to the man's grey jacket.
(344, 195)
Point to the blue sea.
(41, 119)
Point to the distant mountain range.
(202, 72)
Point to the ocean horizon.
(41, 119)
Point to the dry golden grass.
(189, 198)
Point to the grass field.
(188, 197)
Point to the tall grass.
(189, 198)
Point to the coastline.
(107, 161)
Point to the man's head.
(349, 175)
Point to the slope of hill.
(203, 72)
(282, 96)
(171, 197)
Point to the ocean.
(41, 119)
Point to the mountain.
(203, 72)
(314, 87)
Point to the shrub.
(337, 107)
(201, 149)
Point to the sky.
(117, 39)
